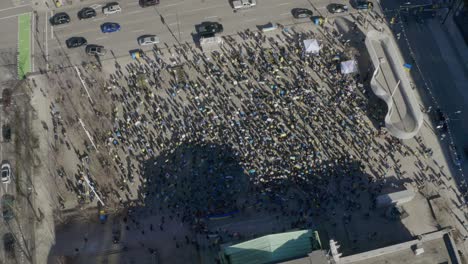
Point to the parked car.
(148, 40)
(6, 132)
(9, 244)
(337, 8)
(6, 98)
(240, 4)
(75, 42)
(208, 28)
(95, 50)
(269, 27)
(146, 3)
(86, 13)
(110, 27)
(111, 8)
(7, 207)
(301, 13)
(362, 4)
(6, 172)
(60, 18)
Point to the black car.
(60, 18)
(9, 244)
(209, 28)
(337, 8)
(301, 13)
(75, 42)
(6, 132)
(146, 3)
(86, 13)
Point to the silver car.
(6, 172)
(111, 8)
(95, 50)
(148, 40)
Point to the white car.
(6, 172)
(148, 40)
(111, 8)
(240, 4)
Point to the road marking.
(203, 8)
(46, 43)
(87, 92)
(95, 6)
(5, 9)
(101, 18)
(172, 24)
(135, 12)
(58, 27)
(284, 4)
(13, 16)
(249, 20)
(101, 38)
(132, 4)
(285, 14)
(172, 4)
(138, 30)
(211, 17)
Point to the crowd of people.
(258, 123)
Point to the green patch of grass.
(24, 45)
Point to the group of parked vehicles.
(108, 27)
(204, 29)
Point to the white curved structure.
(390, 83)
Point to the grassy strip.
(24, 45)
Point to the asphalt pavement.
(172, 22)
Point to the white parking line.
(101, 18)
(172, 4)
(285, 14)
(101, 38)
(135, 12)
(250, 20)
(5, 9)
(13, 16)
(211, 17)
(59, 27)
(172, 24)
(203, 8)
(132, 4)
(46, 43)
(284, 4)
(138, 30)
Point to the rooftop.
(272, 248)
(436, 247)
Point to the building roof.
(435, 247)
(272, 248)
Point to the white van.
(240, 4)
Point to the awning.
(348, 67)
(311, 46)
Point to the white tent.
(211, 41)
(348, 67)
(311, 46)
